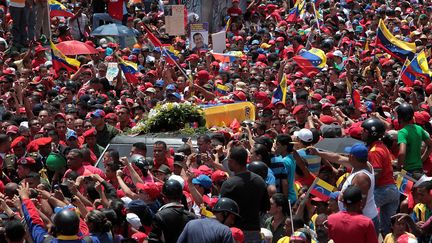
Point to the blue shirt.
(280, 171)
(284, 168)
(291, 164)
(205, 230)
(270, 180)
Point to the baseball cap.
(170, 87)
(98, 114)
(298, 236)
(331, 131)
(304, 135)
(358, 150)
(71, 134)
(352, 195)
(337, 53)
(12, 129)
(203, 181)
(175, 94)
(133, 220)
(219, 175)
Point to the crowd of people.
(251, 181)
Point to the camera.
(179, 157)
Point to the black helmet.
(172, 190)
(327, 43)
(259, 168)
(375, 127)
(140, 161)
(225, 204)
(66, 222)
(405, 112)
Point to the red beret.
(17, 141)
(90, 132)
(429, 89)
(43, 141)
(419, 118)
(355, 131)
(327, 119)
(111, 116)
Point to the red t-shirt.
(381, 158)
(38, 62)
(355, 227)
(234, 11)
(115, 9)
(169, 163)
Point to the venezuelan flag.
(280, 94)
(222, 90)
(322, 189)
(59, 60)
(58, 9)
(403, 184)
(169, 55)
(129, 69)
(312, 60)
(406, 76)
(419, 66)
(298, 11)
(224, 57)
(228, 24)
(393, 46)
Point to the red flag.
(356, 99)
(154, 40)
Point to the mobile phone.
(65, 190)
(185, 139)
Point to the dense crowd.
(267, 180)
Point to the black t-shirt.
(250, 192)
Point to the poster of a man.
(199, 37)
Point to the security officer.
(171, 218)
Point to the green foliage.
(171, 117)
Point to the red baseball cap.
(297, 108)
(12, 129)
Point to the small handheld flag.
(129, 69)
(312, 60)
(59, 60)
(322, 189)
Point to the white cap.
(398, 9)
(103, 42)
(133, 220)
(304, 135)
(126, 200)
(337, 53)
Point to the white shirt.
(370, 209)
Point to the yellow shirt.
(390, 239)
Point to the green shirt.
(104, 137)
(413, 136)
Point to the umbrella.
(73, 47)
(113, 30)
(336, 145)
